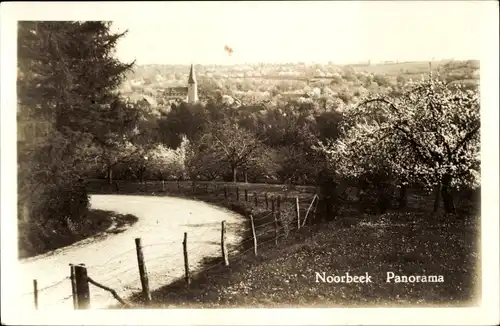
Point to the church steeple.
(192, 96)
(192, 78)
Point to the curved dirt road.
(112, 261)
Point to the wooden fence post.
(143, 272)
(206, 188)
(246, 195)
(35, 293)
(276, 226)
(237, 194)
(278, 213)
(278, 208)
(267, 200)
(313, 217)
(178, 185)
(73, 286)
(223, 244)
(253, 235)
(255, 199)
(192, 187)
(163, 185)
(186, 263)
(145, 186)
(273, 209)
(82, 287)
(297, 211)
(308, 209)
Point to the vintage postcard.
(253, 163)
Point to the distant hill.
(303, 70)
(257, 82)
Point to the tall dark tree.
(67, 77)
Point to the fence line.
(265, 224)
(134, 267)
(227, 257)
(112, 258)
(242, 254)
(191, 250)
(263, 217)
(113, 292)
(47, 287)
(230, 253)
(233, 254)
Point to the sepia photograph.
(197, 159)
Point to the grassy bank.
(408, 242)
(97, 223)
(284, 276)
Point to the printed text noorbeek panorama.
(390, 278)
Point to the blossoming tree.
(428, 135)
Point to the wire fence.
(267, 219)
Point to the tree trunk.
(360, 191)
(328, 193)
(141, 174)
(328, 209)
(403, 201)
(110, 174)
(449, 205)
(437, 198)
(384, 199)
(233, 169)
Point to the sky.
(342, 32)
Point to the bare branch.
(416, 146)
(392, 105)
(466, 138)
(223, 146)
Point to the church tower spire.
(192, 78)
(192, 87)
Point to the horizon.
(351, 32)
(360, 63)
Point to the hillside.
(403, 242)
(271, 82)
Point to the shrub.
(48, 213)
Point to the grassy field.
(409, 242)
(284, 276)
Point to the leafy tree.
(297, 165)
(381, 80)
(183, 119)
(327, 124)
(203, 163)
(401, 80)
(168, 163)
(128, 144)
(232, 147)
